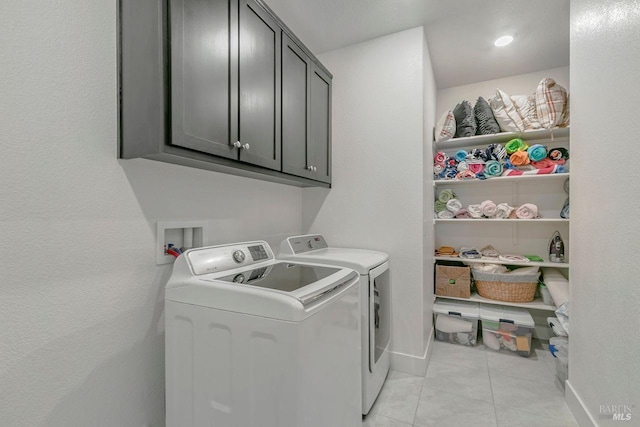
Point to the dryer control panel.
(221, 258)
(311, 242)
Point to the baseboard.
(578, 408)
(410, 364)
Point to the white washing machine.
(255, 342)
(373, 267)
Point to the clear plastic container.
(507, 329)
(456, 321)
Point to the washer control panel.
(226, 257)
(308, 243)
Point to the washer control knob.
(238, 256)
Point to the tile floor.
(472, 386)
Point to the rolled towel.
(462, 213)
(499, 152)
(503, 210)
(454, 205)
(492, 168)
(446, 195)
(461, 155)
(488, 208)
(558, 154)
(519, 158)
(445, 214)
(440, 157)
(465, 175)
(537, 152)
(476, 167)
(475, 211)
(527, 211)
(515, 145)
(440, 206)
(462, 166)
(438, 168)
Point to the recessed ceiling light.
(503, 41)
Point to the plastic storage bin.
(456, 321)
(507, 329)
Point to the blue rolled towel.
(537, 152)
(461, 155)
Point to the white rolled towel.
(454, 205)
(527, 211)
(462, 166)
(503, 211)
(489, 208)
(445, 214)
(475, 211)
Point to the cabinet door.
(320, 125)
(200, 92)
(295, 108)
(258, 83)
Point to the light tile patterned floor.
(472, 386)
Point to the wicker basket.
(452, 281)
(506, 287)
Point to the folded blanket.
(440, 206)
(537, 152)
(519, 158)
(445, 214)
(476, 167)
(446, 195)
(492, 168)
(475, 211)
(462, 213)
(503, 210)
(488, 208)
(527, 211)
(440, 157)
(543, 171)
(461, 155)
(454, 205)
(515, 145)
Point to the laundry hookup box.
(507, 329)
(456, 321)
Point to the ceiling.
(460, 33)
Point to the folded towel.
(470, 253)
(515, 145)
(489, 251)
(440, 206)
(462, 213)
(519, 158)
(503, 210)
(513, 258)
(445, 214)
(537, 152)
(440, 157)
(492, 168)
(462, 166)
(461, 155)
(527, 211)
(475, 211)
(488, 208)
(454, 205)
(476, 167)
(446, 195)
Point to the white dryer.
(373, 267)
(256, 342)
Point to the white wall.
(521, 84)
(605, 344)
(82, 336)
(377, 197)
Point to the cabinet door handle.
(310, 168)
(237, 144)
(246, 146)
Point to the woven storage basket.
(506, 287)
(453, 281)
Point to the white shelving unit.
(523, 236)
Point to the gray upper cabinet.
(222, 85)
(306, 115)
